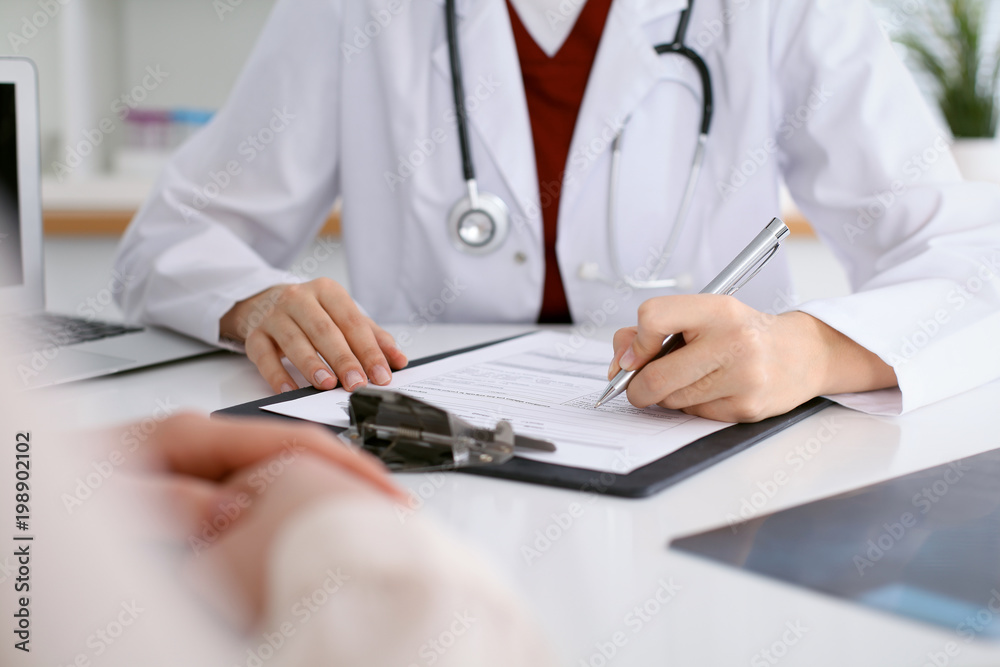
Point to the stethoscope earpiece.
(591, 272)
(685, 282)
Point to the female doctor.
(562, 160)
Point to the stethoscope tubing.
(653, 281)
(489, 205)
(458, 91)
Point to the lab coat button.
(520, 258)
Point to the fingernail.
(322, 376)
(286, 388)
(354, 379)
(381, 375)
(627, 360)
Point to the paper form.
(545, 385)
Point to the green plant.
(949, 46)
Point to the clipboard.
(640, 483)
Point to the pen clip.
(753, 270)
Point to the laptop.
(42, 348)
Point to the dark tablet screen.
(925, 546)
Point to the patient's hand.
(308, 323)
(230, 485)
(213, 449)
(738, 364)
(231, 564)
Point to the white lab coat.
(354, 99)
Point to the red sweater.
(554, 89)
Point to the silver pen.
(746, 265)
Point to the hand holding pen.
(732, 363)
(703, 332)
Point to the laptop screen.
(11, 265)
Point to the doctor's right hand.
(309, 323)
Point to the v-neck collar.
(549, 23)
(572, 39)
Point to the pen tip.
(598, 404)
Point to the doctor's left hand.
(738, 364)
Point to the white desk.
(614, 556)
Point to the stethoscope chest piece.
(479, 223)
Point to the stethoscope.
(479, 223)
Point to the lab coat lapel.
(491, 74)
(625, 69)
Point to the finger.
(710, 387)
(180, 503)
(213, 448)
(623, 338)
(682, 369)
(262, 351)
(658, 318)
(740, 396)
(733, 409)
(389, 347)
(325, 336)
(308, 464)
(719, 411)
(358, 333)
(320, 441)
(295, 344)
(189, 497)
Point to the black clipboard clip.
(409, 435)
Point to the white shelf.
(91, 53)
(100, 193)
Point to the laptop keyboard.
(43, 330)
